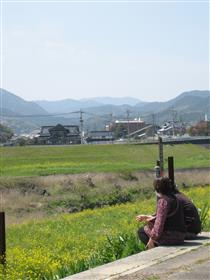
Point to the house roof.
(72, 129)
(58, 127)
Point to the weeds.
(204, 215)
(115, 247)
(128, 176)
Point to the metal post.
(171, 169)
(2, 239)
(160, 141)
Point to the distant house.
(100, 136)
(124, 127)
(59, 135)
(171, 128)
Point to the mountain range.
(67, 105)
(25, 116)
(15, 105)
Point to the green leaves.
(205, 216)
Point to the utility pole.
(128, 124)
(81, 126)
(174, 115)
(111, 121)
(153, 125)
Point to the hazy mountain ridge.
(186, 99)
(67, 105)
(107, 100)
(17, 105)
(188, 106)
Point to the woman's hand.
(144, 218)
(150, 244)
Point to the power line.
(50, 115)
(37, 115)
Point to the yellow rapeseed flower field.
(67, 244)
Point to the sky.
(150, 51)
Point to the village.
(118, 131)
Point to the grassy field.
(25, 198)
(64, 244)
(46, 160)
(53, 248)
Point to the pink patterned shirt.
(156, 230)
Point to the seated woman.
(167, 227)
(191, 216)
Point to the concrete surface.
(163, 262)
(193, 265)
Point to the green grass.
(46, 160)
(54, 248)
(72, 243)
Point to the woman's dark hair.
(163, 185)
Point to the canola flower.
(55, 248)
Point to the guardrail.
(176, 140)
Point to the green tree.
(120, 131)
(5, 133)
(200, 129)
